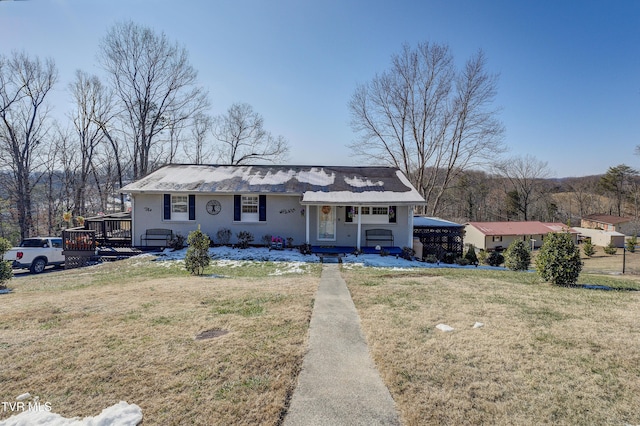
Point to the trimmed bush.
(558, 261)
(610, 249)
(495, 258)
(471, 256)
(482, 256)
(588, 248)
(517, 257)
(197, 257)
(631, 244)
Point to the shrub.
(431, 258)
(462, 261)
(223, 236)
(449, 258)
(631, 244)
(495, 258)
(289, 242)
(384, 252)
(305, 249)
(471, 256)
(197, 257)
(244, 239)
(408, 253)
(177, 242)
(482, 256)
(558, 261)
(266, 240)
(588, 248)
(6, 272)
(611, 249)
(517, 257)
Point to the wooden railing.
(78, 241)
(111, 230)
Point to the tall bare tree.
(428, 119)
(93, 106)
(154, 83)
(198, 152)
(25, 83)
(243, 139)
(526, 176)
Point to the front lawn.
(87, 338)
(544, 355)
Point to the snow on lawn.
(119, 414)
(292, 261)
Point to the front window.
(371, 214)
(250, 208)
(179, 207)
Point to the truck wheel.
(38, 266)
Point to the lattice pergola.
(438, 240)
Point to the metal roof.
(315, 184)
(433, 222)
(519, 228)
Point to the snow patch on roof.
(361, 183)
(316, 176)
(279, 178)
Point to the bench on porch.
(378, 236)
(160, 235)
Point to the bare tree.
(154, 83)
(243, 138)
(428, 119)
(198, 152)
(93, 106)
(525, 176)
(25, 84)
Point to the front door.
(326, 223)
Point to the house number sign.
(213, 207)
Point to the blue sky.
(569, 85)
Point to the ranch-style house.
(323, 206)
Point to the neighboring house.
(624, 225)
(499, 235)
(602, 238)
(323, 206)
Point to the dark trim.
(237, 208)
(262, 208)
(192, 207)
(167, 207)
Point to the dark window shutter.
(167, 206)
(262, 208)
(393, 214)
(237, 208)
(192, 207)
(349, 211)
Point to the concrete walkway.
(338, 382)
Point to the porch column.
(359, 228)
(306, 218)
(409, 225)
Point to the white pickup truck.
(36, 254)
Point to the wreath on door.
(326, 209)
